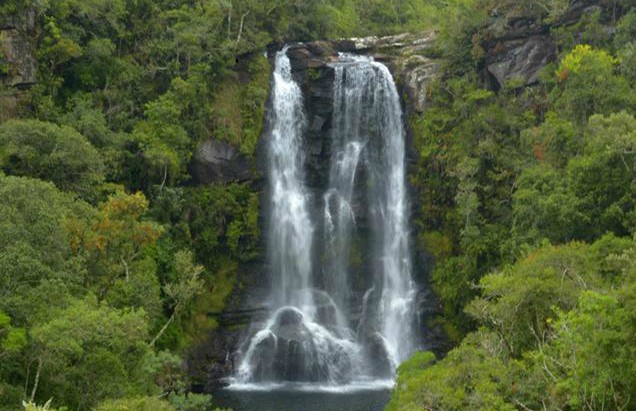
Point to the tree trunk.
(163, 329)
(37, 380)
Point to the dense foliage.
(110, 260)
(528, 203)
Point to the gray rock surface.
(218, 162)
(18, 58)
(521, 59)
(517, 48)
(407, 55)
(18, 65)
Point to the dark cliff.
(18, 65)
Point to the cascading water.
(309, 337)
(291, 230)
(388, 205)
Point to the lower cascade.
(313, 335)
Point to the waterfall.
(291, 230)
(388, 201)
(347, 145)
(309, 336)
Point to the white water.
(388, 204)
(291, 230)
(308, 340)
(355, 386)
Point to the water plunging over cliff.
(312, 335)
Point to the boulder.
(381, 366)
(289, 326)
(520, 59)
(218, 162)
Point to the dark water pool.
(294, 400)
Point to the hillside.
(133, 242)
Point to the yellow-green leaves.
(12, 339)
(590, 84)
(584, 57)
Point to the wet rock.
(290, 351)
(381, 365)
(408, 55)
(289, 326)
(263, 361)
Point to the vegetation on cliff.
(110, 260)
(528, 203)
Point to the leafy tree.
(86, 353)
(114, 241)
(589, 85)
(586, 362)
(518, 302)
(30, 406)
(12, 339)
(233, 211)
(553, 142)
(604, 176)
(545, 207)
(49, 152)
(470, 377)
(181, 292)
(36, 260)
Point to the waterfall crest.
(310, 337)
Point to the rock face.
(18, 66)
(517, 48)
(217, 162)
(521, 59)
(408, 57)
(289, 351)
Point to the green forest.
(110, 259)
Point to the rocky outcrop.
(218, 162)
(18, 65)
(521, 59)
(409, 57)
(514, 50)
(517, 48)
